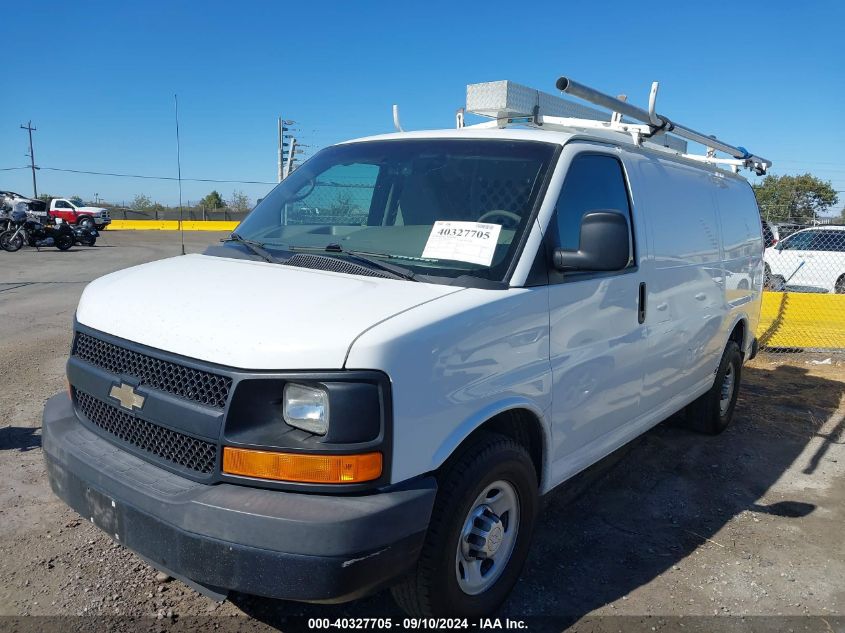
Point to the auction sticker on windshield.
(472, 242)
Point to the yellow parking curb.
(172, 225)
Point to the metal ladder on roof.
(511, 104)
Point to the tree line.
(800, 199)
(238, 203)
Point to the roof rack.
(513, 104)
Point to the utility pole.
(291, 157)
(281, 151)
(283, 143)
(31, 129)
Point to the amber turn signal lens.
(312, 469)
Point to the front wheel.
(88, 223)
(11, 242)
(479, 533)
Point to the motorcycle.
(24, 228)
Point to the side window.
(61, 204)
(799, 241)
(829, 241)
(593, 183)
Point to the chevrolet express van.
(406, 344)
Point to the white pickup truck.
(73, 213)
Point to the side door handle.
(641, 305)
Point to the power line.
(147, 177)
(806, 162)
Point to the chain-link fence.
(170, 213)
(804, 298)
(332, 203)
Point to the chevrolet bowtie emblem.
(127, 396)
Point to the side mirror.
(604, 244)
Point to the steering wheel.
(510, 215)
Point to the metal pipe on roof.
(617, 105)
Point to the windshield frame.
(471, 276)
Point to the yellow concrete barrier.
(171, 225)
(209, 225)
(802, 320)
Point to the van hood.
(246, 314)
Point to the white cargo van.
(410, 340)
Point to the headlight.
(306, 408)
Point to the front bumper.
(222, 537)
(102, 222)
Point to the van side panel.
(743, 253)
(686, 306)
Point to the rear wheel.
(9, 243)
(479, 533)
(712, 412)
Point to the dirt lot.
(747, 523)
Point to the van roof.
(547, 136)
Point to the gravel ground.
(748, 523)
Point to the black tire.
(707, 414)
(839, 287)
(90, 242)
(64, 242)
(88, 223)
(432, 589)
(7, 243)
(767, 277)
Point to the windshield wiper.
(363, 258)
(256, 248)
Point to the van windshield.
(442, 208)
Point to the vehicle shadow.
(642, 510)
(18, 438)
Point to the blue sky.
(97, 79)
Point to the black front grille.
(177, 448)
(185, 382)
